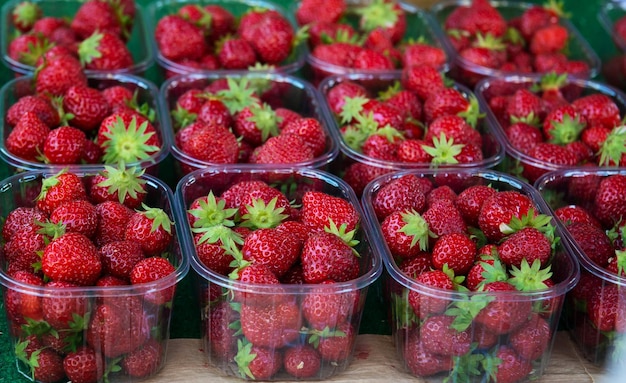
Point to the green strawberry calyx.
(613, 147)
(57, 103)
(541, 222)
(317, 335)
(530, 119)
(205, 20)
(443, 151)
(378, 14)
(145, 109)
(88, 49)
(530, 277)
(49, 182)
(346, 236)
(489, 41)
(219, 233)
(126, 22)
(182, 117)
(26, 13)
(159, 218)
(354, 137)
(212, 212)
(265, 120)
(566, 131)
(35, 51)
(127, 143)
(467, 365)
(33, 361)
(495, 272)
(263, 216)
(238, 96)
(464, 310)
(123, 181)
(391, 91)
(390, 133)
(620, 259)
(244, 357)
(416, 227)
(352, 108)
(550, 82)
(472, 114)
(514, 36)
(557, 7)
(50, 230)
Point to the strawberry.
(41, 106)
(60, 188)
(144, 361)
(152, 269)
(302, 361)
(609, 200)
(46, 365)
(20, 306)
(128, 137)
(524, 106)
(220, 335)
(104, 51)
(279, 150)
(470, 201)
(574, 213)
(62, 309)
(311, 131)
(27, 48)
(551, 154)
(25, 14)
(211, 143)
(72, 258)
(551, 38)
(369, 59)
(455, 128)
(319, 209)
(27, 139)
(257, 362)
(118, 258)
(77, 216)
(273, 38)
(95, 15)
(455, 250)
(123, 185)
(271, 326)
(359, 174)
(22, 251)
(423, 80)
(403, 231)
(563, 125)
(258, 274)
(500, 209)
(393, 197)
(424, 305)
(531, 340)
(83, 365)
(64, 145)
(112, 220)
(87, 106)
(421, 362)
(58, 75)
(236, 53)
(439, 337)
(213, 255)
(278, 250)
(151, 228)
(412, 150)
(337, 95)
(19, 217)
(417, 53)
(177, 38)
(512, 368)
(326, 256)
(502, 315)
(538, 16)
(307, 11)
(453, 222)
(222, 21)
(324, 307)
(523, 136)
(593, 242)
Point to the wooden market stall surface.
(375, 361)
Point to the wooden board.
(375, 361)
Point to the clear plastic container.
(532, 168)
(159, 9)
(470, 73)
(608, 15)
(225, 348)
(138, 43)
(598, 287)
(142, 322)
(493, 151)
(294, 94)
(408, 328)
(147, 93)
(419, 24)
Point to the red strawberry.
(523, 136)
(19, 217)
(95, 15)
(598, 109)
(536, 17)
(47, 365)
(424, 305)
(27, 139)
(64, 145)
(593, 242)
(271, 326)
(118, 258)
(546, 152)
(307, 11)
(439, 337)
(455, 250)
(275, 249)
(512, 368)
(273, 38)
(302, 361)
(319, 208)
(531, 340)
(258, 362)
(400, 194)
(143, 361)
(72, 258)
(311, 131)
(453, 127)
(259, 274)
(127, 136)
(325, 307)
(338, 94)
(213, 255)
(412, 150)
(504, 313)
(20, 305)
(423, 80)
(58, 75)
(78, 216)
(123, 185)
(524, 105)
(549, 39)
(444, 218)
(177, 38)
(574, 213)
(326, 256)
(150, 270)
(500, 209)
(220, 335)
(60, 188)
(421, 362)
(222, 21)
(112, 220)
(608, 203)
(152, 229)
(25, 14)
(61, 308)
(27, 48)
(279, 150)
(22, 251)
(470, 201)
(212, 143)
(423, 54)
(83, 365)
(369, 59)
(104, 51)
(236, 53)
(528, 243)
(406, 233)
(41, 106)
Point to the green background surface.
(185, 320)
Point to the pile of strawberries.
(96, 34)
(284, 247)
(69, 120)
(535, 41)
(417, 121)
(244, 120)
(78, 237)
(368, 36)
(472, 253)
(553, 123)
(210, 37)
(592, 205)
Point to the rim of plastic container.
(154, 159)
(393, 269)
(543, 183)
(591, 56)
(18, 67)
(608, 24)
(181, 270)
(290, 66)
(328, 156)
(436, 34)
(202, 271)
(483, 85)
(327, 83)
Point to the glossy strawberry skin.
(139, 229)
(64, 145)
(325, 256)
(278, 250)
(152, 269)
(273, 326)
(178, 39)
(28, 137)
(72, 258)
